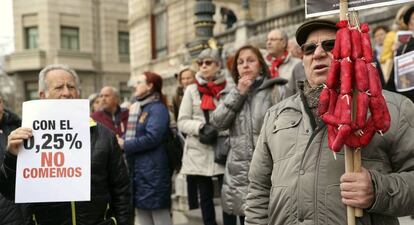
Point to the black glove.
(208, 135)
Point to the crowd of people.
(261, 113)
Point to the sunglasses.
(207, 62)
(310, 48)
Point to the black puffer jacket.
(110, 186)
(10, 213)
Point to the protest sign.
(404, 72)
(328, 7)
(404, 36)
(54, 164)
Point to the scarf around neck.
(311, 95)
(210, 89)
(276, 62)
(135, 112)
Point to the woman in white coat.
(199, 100)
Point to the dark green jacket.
(294, 178)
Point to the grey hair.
(210, 53)
(115, 91)
(47, 69)
(92, 97)
(283, 35)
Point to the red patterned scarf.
(276, 63)
(209, 91)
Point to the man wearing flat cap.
(408, 19)
(295, 179)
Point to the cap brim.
(305, 29)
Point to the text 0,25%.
(56, 141)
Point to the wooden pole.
(343, 9)
(357, 168)
(349, 153)
(349, 167)
(357, 151)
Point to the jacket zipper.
(317, 176)
(73, 213)
(300, 216)
(34, 219)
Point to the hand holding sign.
(16, 139)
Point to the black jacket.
(110, 188)
(10, 213)
(8, 123)
(391, 84)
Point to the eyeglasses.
(310, 48)
(207, 62)
(274, 39)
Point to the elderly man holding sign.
(110, 194)
(295, 178)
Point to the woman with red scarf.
(199, 100)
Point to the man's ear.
(150, 85)
(42, 94)
(285, 43)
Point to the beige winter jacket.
(198, 158)
(294, 178)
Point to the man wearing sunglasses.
(280, 62)
(295, 179)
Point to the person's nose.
(319, 52)
(65, 92)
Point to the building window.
(123, 43)
(31, 36)
(159, 35)
(69, 38)
(31, 90)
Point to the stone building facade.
(161, 30)
(92, 36)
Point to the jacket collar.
(296, 103)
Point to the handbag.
(221, 144)
(208, 134)
(221, 149)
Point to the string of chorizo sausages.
(352, 70)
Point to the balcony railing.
(289, 18)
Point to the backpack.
(174, 145)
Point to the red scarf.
(209, 91)
(276, 63)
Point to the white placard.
(328, 7)
(404, 72)
(54, 165)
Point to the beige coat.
(198, 158)
(294, 178)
